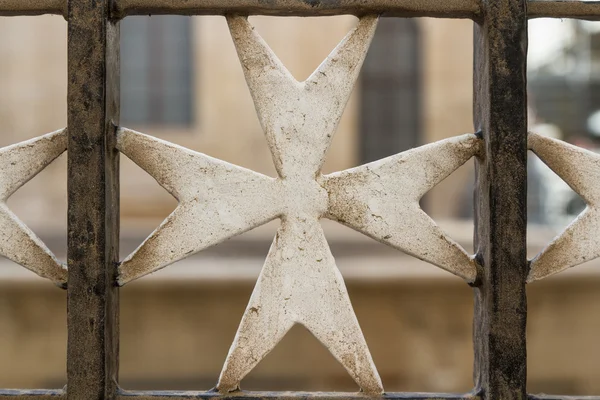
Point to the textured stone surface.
(419, 332)
(580, 241)
(18, 164)
(300, 282)
(381, 200)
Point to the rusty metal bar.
(588, 10)
(560, 397)
(93, 211)
(395, 8)
(11, 8)
(17, 394)
(500, 112)
(213, 395)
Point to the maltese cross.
(300, 282)
(580, 241)
(19, 163)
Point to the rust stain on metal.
(393, 8)
(500, 113)
(287, 395)
(579, 242)
(31, 394)
(19, 163)
(33, 7)
(93, 208)
(588, 10)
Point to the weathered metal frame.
(405, 8)
(500, 112)
(500, 48)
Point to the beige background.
(177, 325)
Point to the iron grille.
(498, 272)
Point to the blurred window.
(156, 70)
(390, 90)
(563, 96)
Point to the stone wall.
(176, 334)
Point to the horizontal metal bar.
(560, 397)
(17, 394)
(167, 395)
(11, 8)
(393, 8)
(589, 10)
(128, 395)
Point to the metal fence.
(219, 200)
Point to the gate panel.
(498, 272)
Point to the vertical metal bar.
(500, 112)
(93, 112)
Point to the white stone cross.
(18, 164)
(580, 241)
(300, 282)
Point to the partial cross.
(580, 241)
(19, 163)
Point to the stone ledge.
(359, 258)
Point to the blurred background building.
(181, 81)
